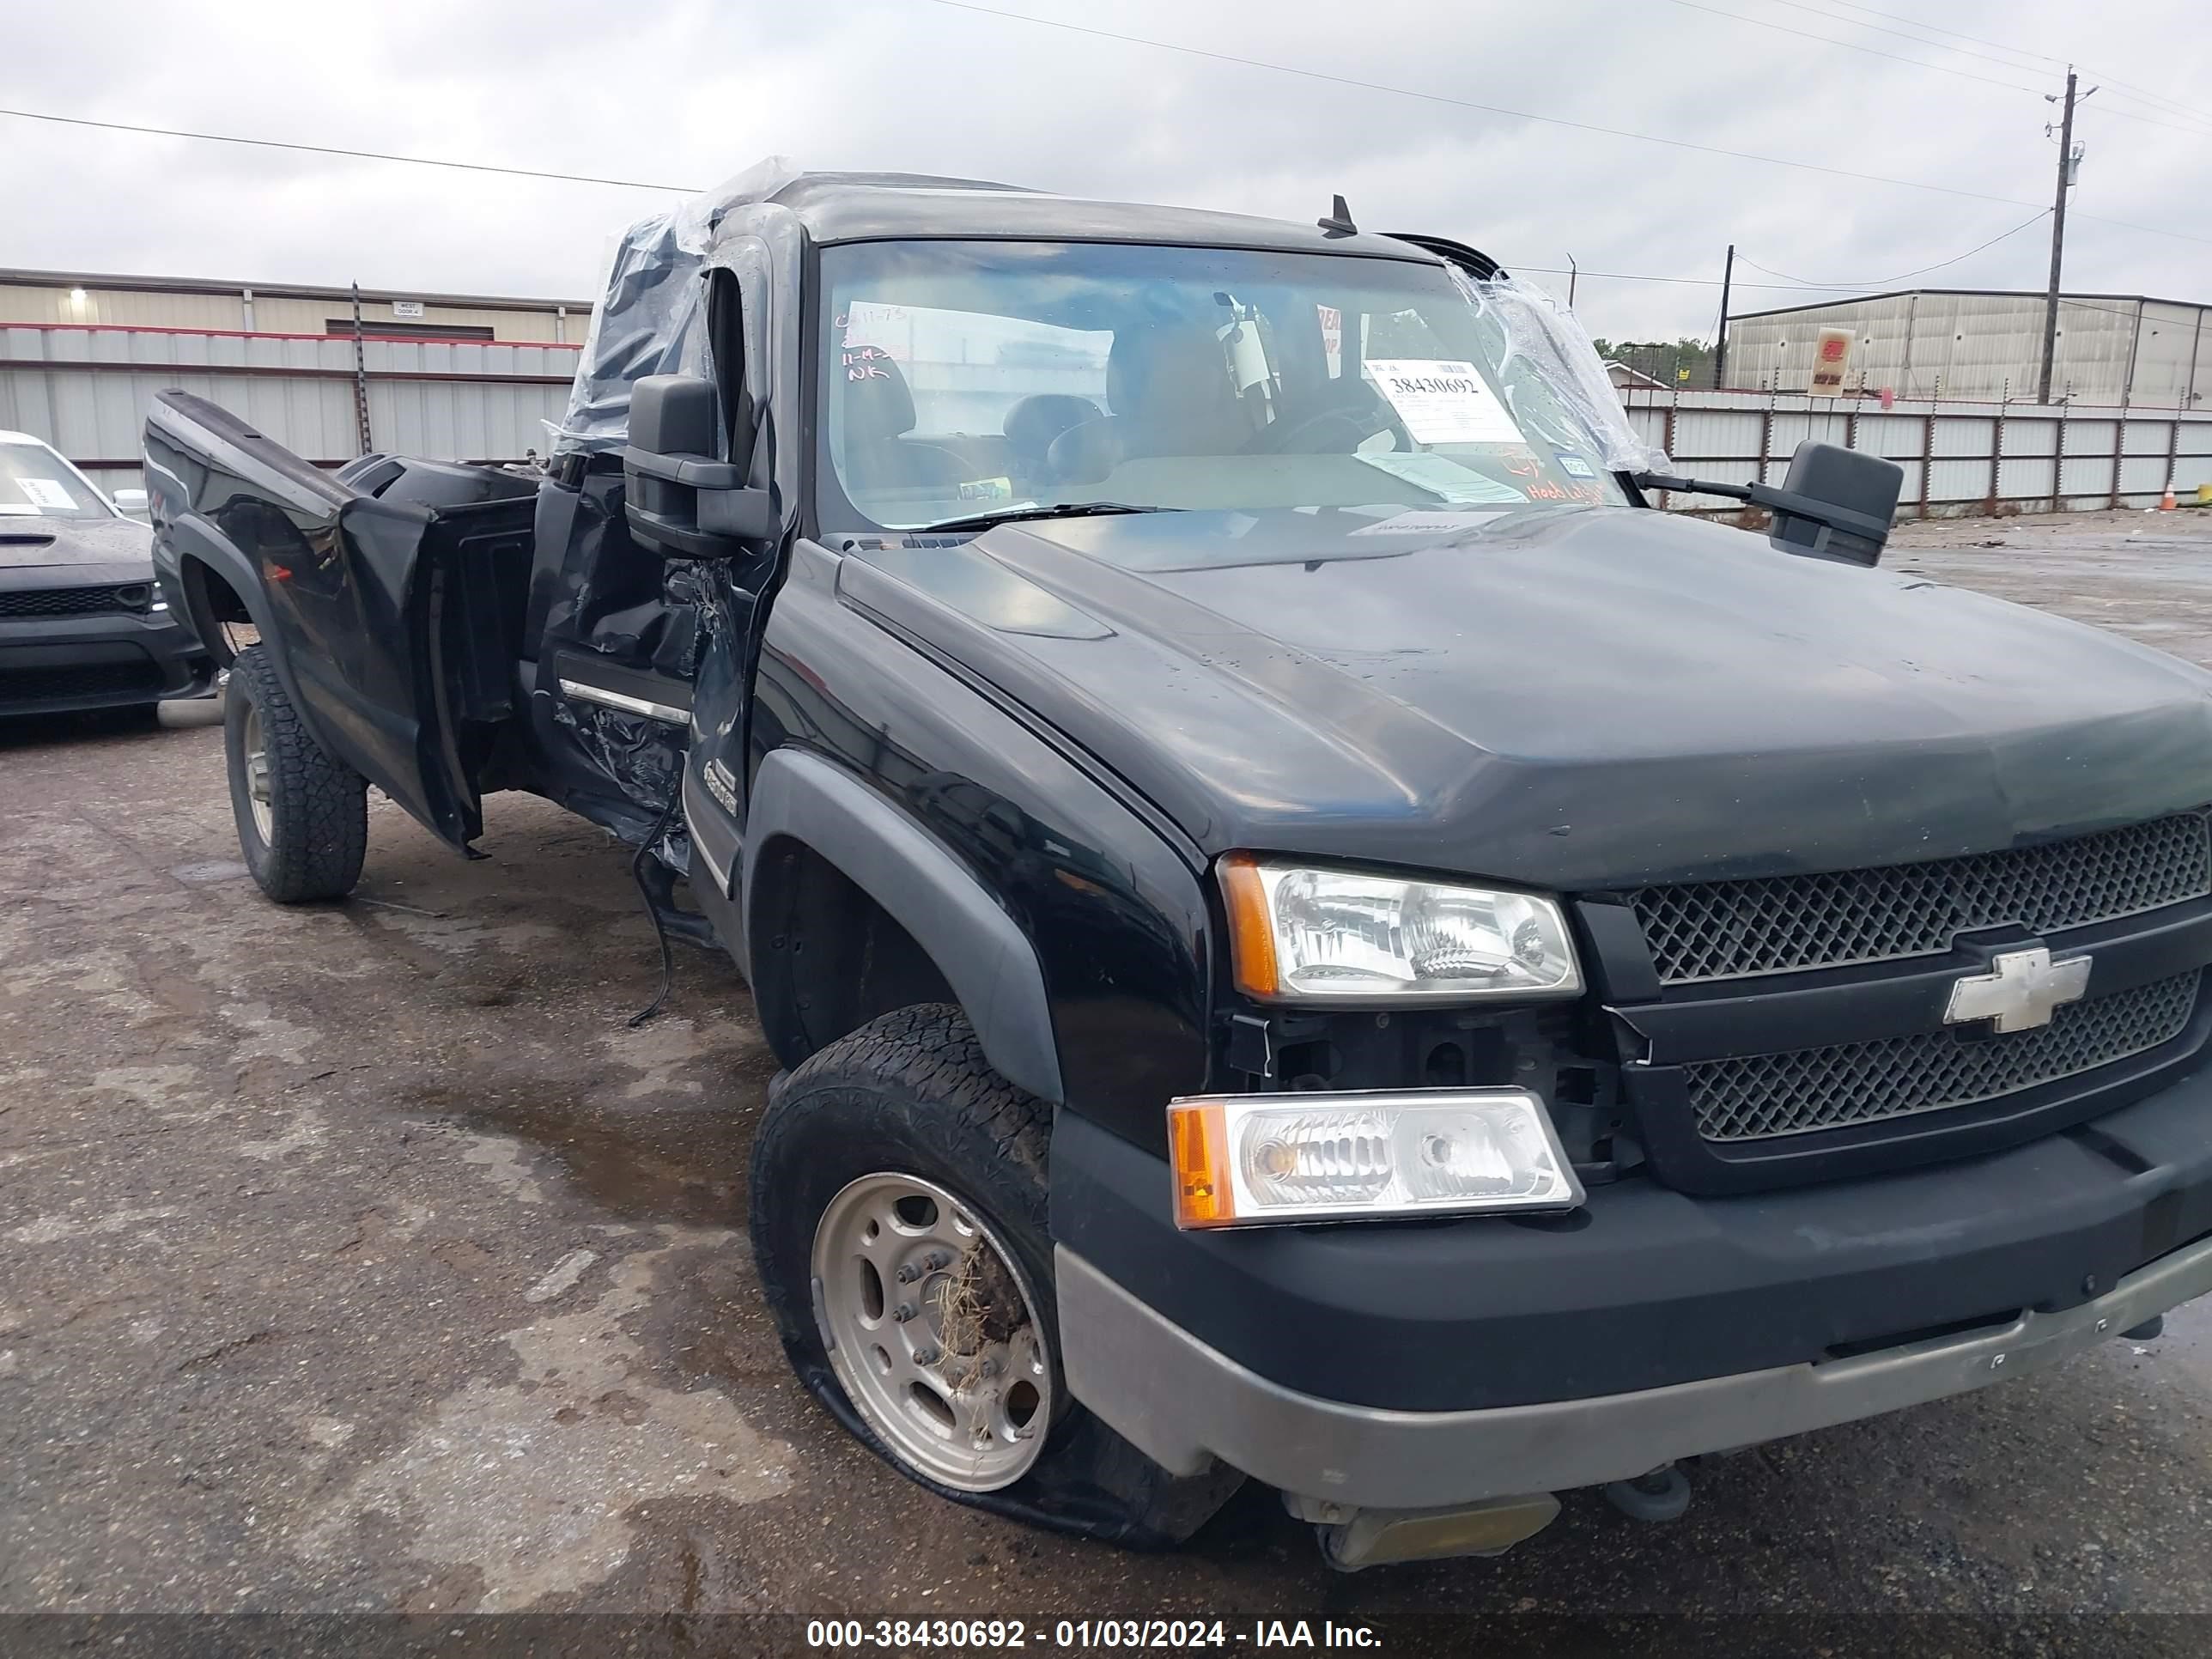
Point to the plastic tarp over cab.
(651, 319)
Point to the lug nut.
(908, 1273)
(925, 1356)
(904, 1312)
(936, 1261)
(989, 1367)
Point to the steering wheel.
(1330, 432)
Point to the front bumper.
(1415, 1366)
(1182, 1403)
(107, 660)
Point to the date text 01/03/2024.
(898, 1634)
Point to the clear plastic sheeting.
(651, 319)
(1543, 339)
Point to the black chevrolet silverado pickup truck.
(1313, 936)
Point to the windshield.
(967, 378)
(36, 483)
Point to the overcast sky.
(688, 91)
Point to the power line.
(1932, 29)
(2143, 94)
(1852, 45)
(1917, 63)
(1524, 115)
(1889, 282)
(1922, 40)
(2083, 305)
(1162, 46)
(333, 150)
(2130, 115)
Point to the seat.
(1169, 386)
(1033, 422)
(879, 412)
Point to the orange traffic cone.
(2166, 501)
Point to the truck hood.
(1568, 698)
(64, 545)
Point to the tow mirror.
(131, 503)
(1845, 504)
(1835, 504)
(679, 498)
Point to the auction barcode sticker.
(1443, 401)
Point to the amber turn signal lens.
(1251, 935)
(1198, 1138)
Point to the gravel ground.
(358, 1258)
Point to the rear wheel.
(303, 817)
(898, 1205)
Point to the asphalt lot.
(358, 1257)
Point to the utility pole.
(1720, 346)
(360, 378)
(2057, 233)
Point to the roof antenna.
(1338, 222)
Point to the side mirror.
(1836, 504)
(679, 500)
(131, 502)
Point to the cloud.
(688, 91)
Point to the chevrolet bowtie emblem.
(2020, 990)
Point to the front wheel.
(898, 1204)
(303, 817)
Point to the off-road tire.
(911, 1092)
(318, 808)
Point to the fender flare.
(192, 542)
(984, 956)
(189, 535)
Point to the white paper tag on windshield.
(45, 492)
(1444, 478)
(1443, 401)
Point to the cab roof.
(867, 207)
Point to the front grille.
(1756, 1096)
(98, 680)
(1778, 924)
(100, 600)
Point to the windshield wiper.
(1042, 510)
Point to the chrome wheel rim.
(256, 748)
(933, 1330)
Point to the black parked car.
(81, 623)
(1313, 936)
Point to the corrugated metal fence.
(85, 390)
(1959, 457)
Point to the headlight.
(1241, 1159)
(1296, 932)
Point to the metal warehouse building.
(456, 377)
(2113, 349)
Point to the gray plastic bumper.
(1181, 1401)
